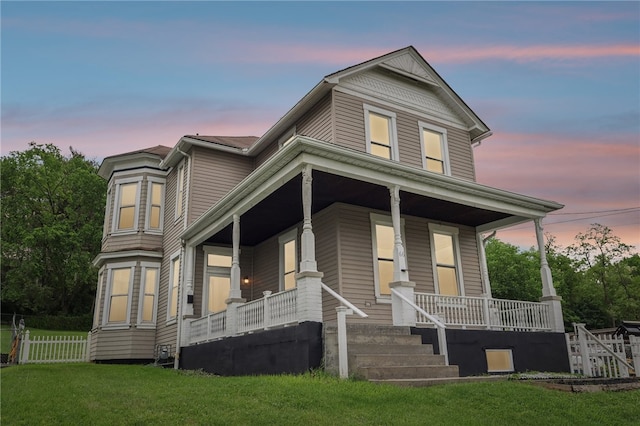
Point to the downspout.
(181, 300)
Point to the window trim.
(218, 271)
(172, 319)
(386, 220)
(291, 235)
(143, 276)
(508, 351)
(454, 232)
(444, 146)
(179, 205)
(97, 321)
(108, 217)
(147, 222)
(393, 136)
(116, 207)
(108, 294)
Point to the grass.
(5, 335)
(127, 395)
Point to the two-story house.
(245, 255)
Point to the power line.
(594, 212)
(616, 212)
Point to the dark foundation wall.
(296, 349)
(532, 351)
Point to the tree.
(513, 274)
(601, 255)
(52, 211)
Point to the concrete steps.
(388, 354)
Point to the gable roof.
(406, 62)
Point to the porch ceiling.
(283, 208)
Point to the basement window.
(499, 360)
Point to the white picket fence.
(54, 349)
(603, 355)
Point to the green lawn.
(5, 335)
(86, 394)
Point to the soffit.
(283, 208)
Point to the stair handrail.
(344, 301)
(418, 309)
(581, 327)
(441, 328)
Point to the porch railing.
(213, 326)
(466, 311)
(272, 310)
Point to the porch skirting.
(532, 351)
(295, 349)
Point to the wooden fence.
(54, 349)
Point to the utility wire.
(600, 211)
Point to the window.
(382, 237)
(155, 201)
(380, 130)
(445, 257)
(499, 360)
(174, 283)
(126, 209)
(217, 278)
(179, 191)
(383, 241)
(149, 280)
(118, 300)
(435, 156)
(288, 259)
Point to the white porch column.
(235, 292)
(235, 297)
(309, 280)
(307, 244)
(403, 314)
(549, 296)
(486, 284)
(187, 274)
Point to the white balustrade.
(466, 311)
(272, 310)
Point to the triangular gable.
(409, 63)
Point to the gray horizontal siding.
(214, 174)
(123, 344)
(350, 132)
(316, 123)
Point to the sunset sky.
(557, 83)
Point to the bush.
(52, 322)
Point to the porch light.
(245, 280)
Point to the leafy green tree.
(602, 256)
(52, 211)
(514, 274)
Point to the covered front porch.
(340, 189)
